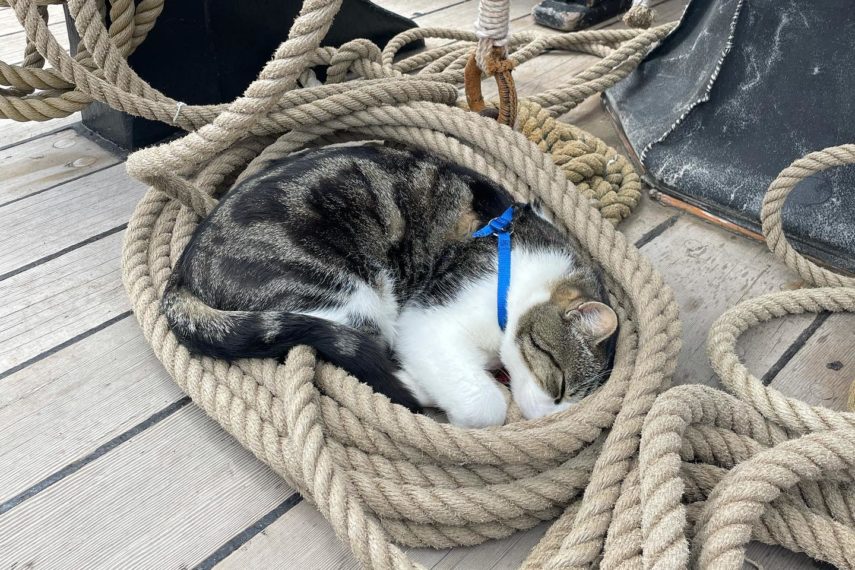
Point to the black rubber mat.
(736, 93)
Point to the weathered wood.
(52, 221)
(167, 498)
(49, 161)
(462, 15)
(13, 132)
(710, 271)
(821, 372)
(416, 9)
(64, 407)
(301, 538)
(12, 45)
(9, 22)
(59, 300)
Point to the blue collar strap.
(501, 228)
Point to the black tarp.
(736, 93)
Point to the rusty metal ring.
(500, 68)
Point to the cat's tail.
(271, 334)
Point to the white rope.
(491, 27)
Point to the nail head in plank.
(822, 371)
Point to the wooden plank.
(462, 15)
(63, 217)
(166, 498)
(712, 270)
(49, 161)
(13, 132)
(301, 538)
(9, 22)
(12, 45)
(59, 300)
(822, 371)
(417, 9)
(62, 408)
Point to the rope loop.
(497, 65)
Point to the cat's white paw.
(488, 409)
(416, 389)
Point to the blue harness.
(501, 228)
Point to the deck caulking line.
(65, 344)
(794, 348)
(102, 450)
(63, 251)
(58, 184)
(656, 231)
(249, 532)
(32, 138)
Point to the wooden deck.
(104, 463)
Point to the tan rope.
(370, 465)
(636, 476)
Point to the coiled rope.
(632, 474)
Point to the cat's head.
(562, 350)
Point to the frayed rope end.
(639, 16)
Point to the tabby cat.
(366, 254)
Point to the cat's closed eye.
(561, 343)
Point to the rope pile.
(29, 92)
(632, 474)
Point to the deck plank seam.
(99, 452)
(63, 251)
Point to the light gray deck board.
(167, 498)
(13, 42)
(46, 223)
(49, 161)
(60, 299)
(62, 408)
(12, 132)
(9, 24)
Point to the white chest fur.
(446, 350)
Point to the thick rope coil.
(374, 468)
(386, 470)
(56, 95)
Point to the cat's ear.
(599, 320)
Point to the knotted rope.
(627, 472)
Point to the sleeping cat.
(366, 254)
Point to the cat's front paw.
(489, 409)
